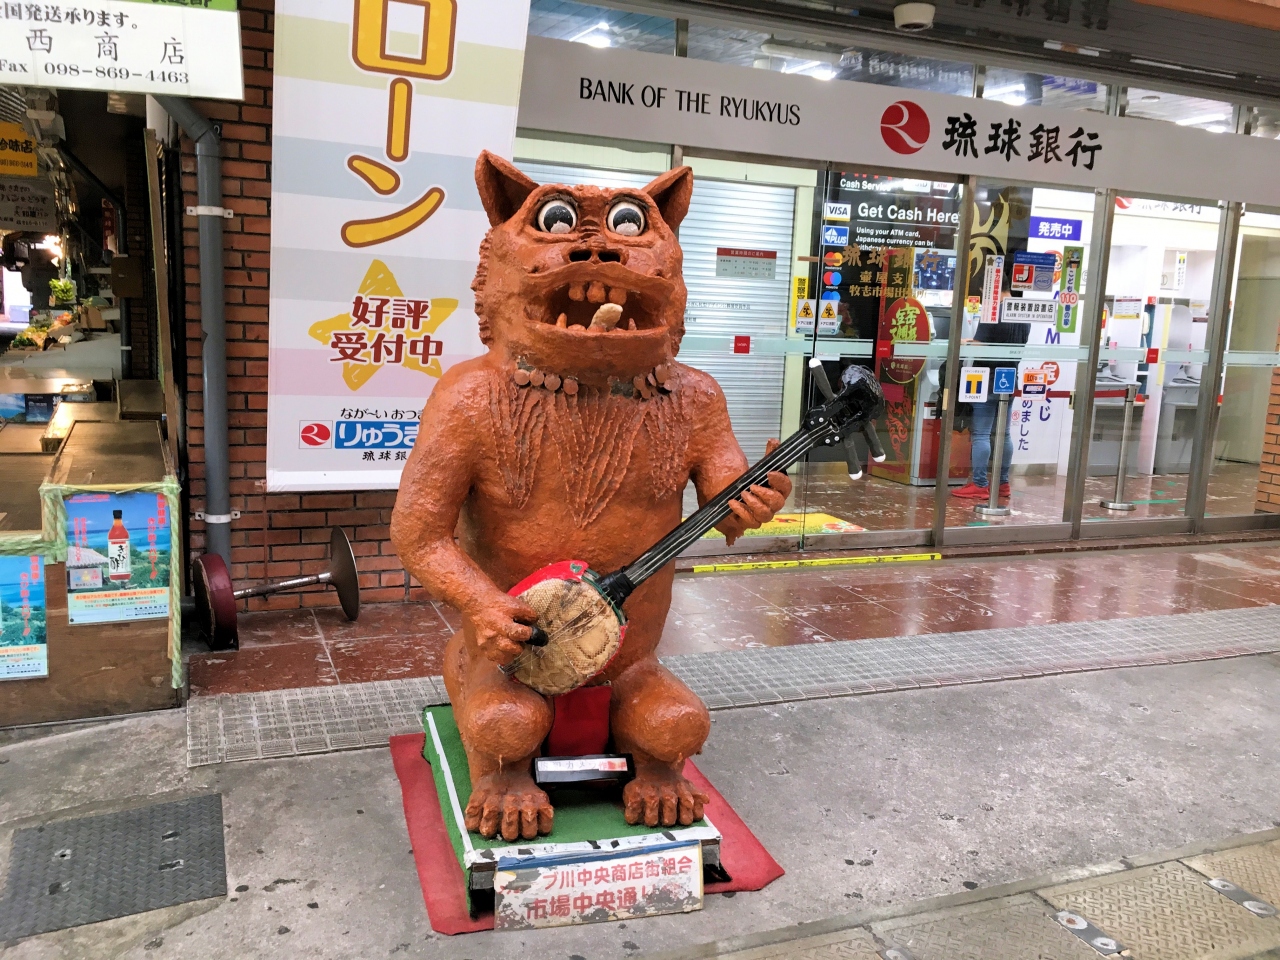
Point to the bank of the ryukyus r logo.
(371, 41)
(904, 126)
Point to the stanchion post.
(1122, 467)
(992, 507)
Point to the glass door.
(1152, 359)
(1244, 477)
(880, 297)
(1020, 346)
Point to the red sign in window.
(1153, 354)
(741, 344)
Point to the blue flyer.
(24, 642)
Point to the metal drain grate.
(286, 723)
(282, 723)
(72, 872)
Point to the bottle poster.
(24, 644)
(117, 557)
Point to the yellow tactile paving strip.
(982, 930)
(1167, 912)
(1163, 910)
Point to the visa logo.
(837, 211)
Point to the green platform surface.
(581, 817)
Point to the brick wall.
(277, 535)
(1269, 470)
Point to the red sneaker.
(1004, 490)
(971, 491)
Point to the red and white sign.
(741, 344)
(1068, 298)
(905, 127)
(1035, 384)
(318, 433)
(746, 264)
(1051, 371)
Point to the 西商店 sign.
(179, 47)
(574, 88)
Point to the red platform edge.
(444, 885)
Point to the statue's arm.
(716, 460)
(436, 481)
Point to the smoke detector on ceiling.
(913, 17)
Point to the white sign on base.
(558, 891)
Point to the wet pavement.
(717, 612)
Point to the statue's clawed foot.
(510, 803)
(659, 795)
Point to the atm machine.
(1180, 393)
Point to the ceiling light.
(772, 48)
(1217, 128)
(823, 73)
(1150, 98)
(597, 40)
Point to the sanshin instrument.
(580, 624)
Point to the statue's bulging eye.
(626, 218)
(557, 216)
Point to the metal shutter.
(724, 214)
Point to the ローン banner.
(380, 112)
(185, 48)
(24, 645)
(118, 557)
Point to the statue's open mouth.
(597, 299)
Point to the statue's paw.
(510, 804)
(661, 796)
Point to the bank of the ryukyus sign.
(573, 88)
(380, 112)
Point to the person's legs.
(984, 420)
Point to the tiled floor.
(712, 613)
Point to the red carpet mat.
(743, 857)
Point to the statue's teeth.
(617, 295)
(577, 292)
(595, 292)
(562, 321)
(606, 318)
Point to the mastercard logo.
(904, 126)
(833, 259)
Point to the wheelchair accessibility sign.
(1006, 381)
(973, 384)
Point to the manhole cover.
(72, 872)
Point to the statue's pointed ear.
(503, 188)
(671, 192)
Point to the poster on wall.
(380, 112)
(117, 557)
(24, 642)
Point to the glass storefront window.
(827, 61)
(1211, 115)
(1017, 87)
(1021, 331)
(1159, 279)
(1266, 122)
(880, 297)
(601, 26)
(1244, 474)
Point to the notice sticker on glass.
(1128, 308)
(1032, 272)
(743, 264)
(806, 311)
(991, 278)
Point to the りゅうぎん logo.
(316, 434)
(904, 126)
